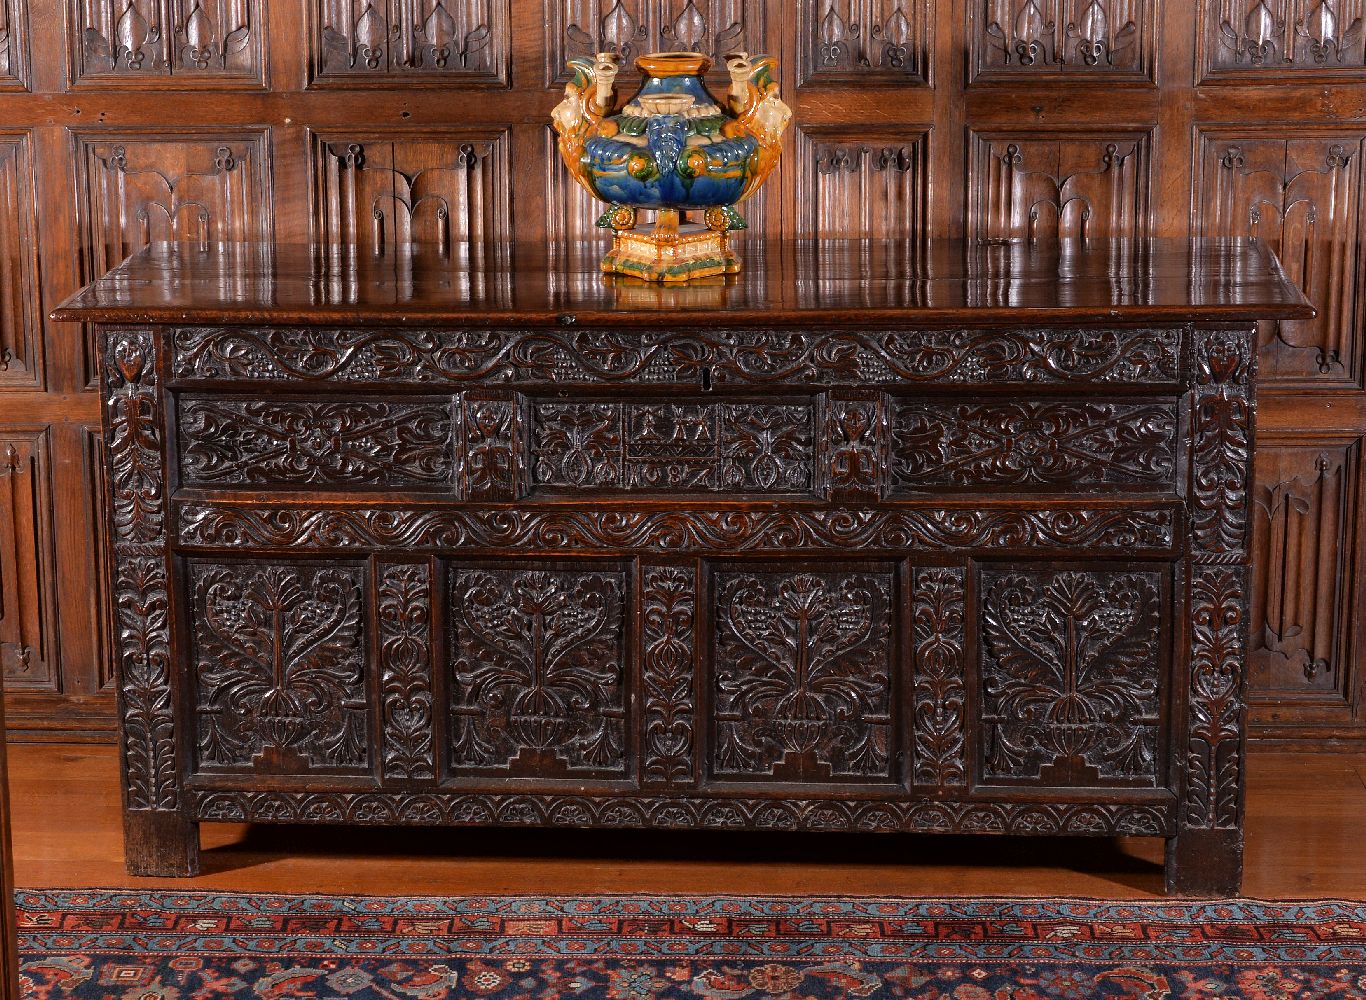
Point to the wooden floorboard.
(1304, 829)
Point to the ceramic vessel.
(673, 149)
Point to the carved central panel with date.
(510, 554)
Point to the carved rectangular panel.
(168, 43)
(1300, 191)
(438, 188)
(632, 28)
(21, 321)
(802, 675)
(28, 567)
(539, 672)
(854, 184)
(981, 445)
(404, 43)
(668, 601)
(14, 45)
(404, 603)
(853, 443)
(653, 447)
(278, 653)
(230, 441)
(1304, 529)
(858, 41)
(1059, 185)
(494, 463)
(1257, 40)
(1019, 40)
(1071, 676)
(939, 724)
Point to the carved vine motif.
(141, 599)
(405, 663)
(538, 661)
(279, 667)
(749, 447)
(235, 442)
(1070, 677)
(170, 37)
(700, 531)
(803, 677)
(669, 604)
(978, 444)
(1084, 36)
(1223, 427)
(557, 357)
(411, 37)
(940, 753)
(685, 813)
(1278, 34)
(863, 38)
(631, 28)
(1214, 755)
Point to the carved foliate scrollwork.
(188, 41)
(279, 667)
(668, 613)
(248, 442)
(1260, 37)
(411, 41)
(706, 447)
(970, 445)
(1145, 528)
(1071, 676)
(939, 730)
(803, 680)
(858, 359)
(1221, 465)
(134, 442)
(1015, 39)
(539, 672)
(406, 671)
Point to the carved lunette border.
(135, 445)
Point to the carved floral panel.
(859, 185)
(1071, 677)
(974, 445)
(631, 28)
(1051, 186)
(1080, 39)
(939, 730)
(1301, 194)
(21, 321)
(1304, 531)
(538, 672)
(684, 447)
(852, 41)
(253, 442)
(439, 189)
(1264, 39)
(802, 685)
(180, 43)
(404, 605)
(406, 42)
(668, 674)
(28, 568)
(278, 661)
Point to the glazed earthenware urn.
(674, 150)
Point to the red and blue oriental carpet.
(111, 945)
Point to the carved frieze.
(1110, 357)
(802, 676)
(631, 447)
(853, 41)
(251, 442)
(939, 729)
(538, 672)
(180, 43)
(1265, 39)
(279, 668)
(1077, 39)
(410, 42)
(1145, 527)
(668, 614)
(1299, 192)
(973, 445)
(1071, 669)
(406, 671)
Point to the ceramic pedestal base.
(673, 252)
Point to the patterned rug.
(111, 945)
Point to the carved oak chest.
(881, 538)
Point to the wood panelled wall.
(370, 121)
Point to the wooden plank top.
(826, 283)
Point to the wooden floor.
(1304, 839)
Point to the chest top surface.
(828, 283)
